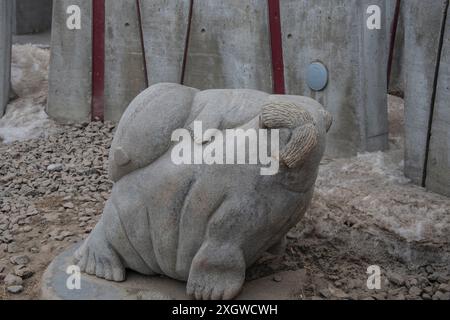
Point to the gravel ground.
(53, 189)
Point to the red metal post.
(277, 47)
(98, 59)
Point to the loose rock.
(13, 280)
(15, 289)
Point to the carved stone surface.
(204, 224)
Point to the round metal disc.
(317, 76)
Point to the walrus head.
(307, 128)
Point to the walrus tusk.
(304, 137)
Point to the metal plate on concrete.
(288, 286)
(317, 76)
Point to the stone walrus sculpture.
(197, 223)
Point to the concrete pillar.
(32, 16)
(70, 78)
(423, 23)
(336, 34)
(165, 25)
(438, 173)
(124, 60)
(6, 10)
(229, 45)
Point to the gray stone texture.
(164, 24)
(335, 33)
(197, 223)
(70, 75)
(423, 22)
(438, 173)
(124, 62)
(229, 46)
(6, 9)
(32, 16)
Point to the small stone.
(445, 296)
(426, 296)
(396, 279)
(13, 248)
(412, 283)
(63, 235)
(34, 250)
(326, 293)
(429, 269)
(15, 289)
(13, 280)
(436, 277)
(68, 205)
(23, 272)
(20, 260)
(55, 167)
(338, 293)
(438, 295)
(415, 291)
(277, 278)
(2, 268)
(428, 290)
(444, 287)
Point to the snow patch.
(25, 117)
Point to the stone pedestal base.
(288, 286)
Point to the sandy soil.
(54, 185)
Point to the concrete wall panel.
(335, 33)
(124, 60)
(70, 78)
(438, 173)
(229, 45)
(423, 22)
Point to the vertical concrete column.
(335, 33)
(6, 13)
(165, 25)
(423, 24)
(374, 128)
(229, 45)
(438, 173)
(70, 76)
(124, 57)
